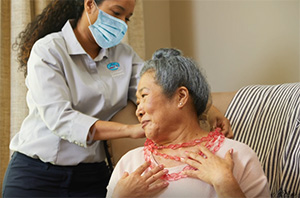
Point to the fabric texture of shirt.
(247, 171)
(68, 92)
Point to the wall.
(157, 25)
(237, 42)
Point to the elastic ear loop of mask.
(88, 15)
(88, 18)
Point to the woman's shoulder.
(244, 157)
(247, 169)
(51, 48)
(236, 143)
(51, 45)
(237, 146)
(127, 163)
(51, 39)
(139, 151)
(124, 48)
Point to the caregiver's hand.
(217, 120)
(138, 185)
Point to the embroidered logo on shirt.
(113, 66)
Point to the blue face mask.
(107, 31)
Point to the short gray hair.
(172, 70)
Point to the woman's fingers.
(192, 156)
(192, 173)
(156, 175)
(229, 158)
(152, 175)
(141, 168)
(158, 186)
(194, 160)
(141, 183)
(154, 181)
(207, 153)
(125, 174)
(208, 165)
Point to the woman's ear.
(89, 6)
(183, 96)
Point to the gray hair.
(172, 70)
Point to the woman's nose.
(139, 111)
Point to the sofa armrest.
(267, 119)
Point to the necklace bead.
(213, 141)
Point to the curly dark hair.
(52, 19)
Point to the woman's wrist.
(127, 131)
(227, 186)
(105, 130)
(91, 135)
(223, 179)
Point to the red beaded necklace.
(213, 141)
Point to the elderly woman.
(179, 158)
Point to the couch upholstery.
(267, 118)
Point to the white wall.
(237, 42)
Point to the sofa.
(265, 117)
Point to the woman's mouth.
(144, 123)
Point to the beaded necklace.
(213, 141)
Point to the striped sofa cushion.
(267, 118)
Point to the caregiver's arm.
(105, 130)
(122, 125)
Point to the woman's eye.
(116, 13)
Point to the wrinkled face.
(121, 9)
(154, 109)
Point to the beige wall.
(237, 42)
(157, 25)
